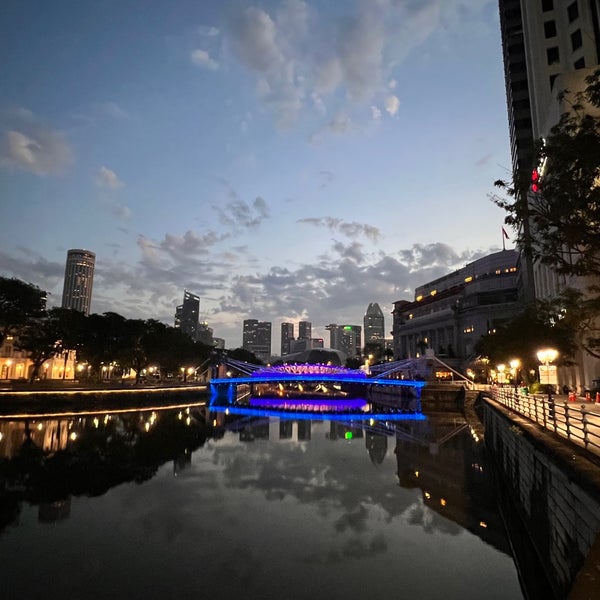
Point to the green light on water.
(348, 435)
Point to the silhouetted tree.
(19, 302)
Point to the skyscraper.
(374, 323)
(187, 315)
(257, 338)
(304, 330)
(548, 46)
(345, 338)
(79, 277)
(287, 335)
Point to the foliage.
(41, 338)
(19, 302)
(565, 214)
(578, 313)
(521, 338)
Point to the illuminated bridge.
(314, 388)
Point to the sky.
(284, 160)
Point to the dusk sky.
(284, 160)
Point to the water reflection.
(261, 505)
(46, 461)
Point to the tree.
(41, 338)
(19, 302)
(525, 334)
(565, 212)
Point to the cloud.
(108, 179)
(240, 214)
(349, 229)
(392, 104)
(29, 145)
(375, 113)
(336, 61)
(201, 58)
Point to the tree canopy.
(564, 214)
(19, 302)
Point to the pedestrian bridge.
(312, 387)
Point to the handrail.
(579, 423)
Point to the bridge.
(313, 388)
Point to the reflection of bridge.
(304, 381)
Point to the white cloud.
(340, 61)
(108, 179)
(392, 104)
(31, 146)
(201, 58)
(375, 113)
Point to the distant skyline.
(283, 160)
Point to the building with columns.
(449, 314)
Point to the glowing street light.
(548, 372)
(501, 368)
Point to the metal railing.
(578, 422)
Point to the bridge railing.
(579, 423)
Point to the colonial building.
(16, 364)
(449, 314)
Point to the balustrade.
(579, 423)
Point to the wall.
(557, 500)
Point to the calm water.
(184, 504)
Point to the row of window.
(572, 9)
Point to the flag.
(504, 234)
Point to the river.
(184, 503)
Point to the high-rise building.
(548, 46)
(257, 338)
(79, 277)
(345, 338)
(304, 330)
(205, 334)
(374, 324)
(187, 315)
(287, 336)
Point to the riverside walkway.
(576, 420)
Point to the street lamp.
(515, 363)
(548, 375)
(501, 368)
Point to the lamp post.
(515, 363)
(548, 373)
(501, 368)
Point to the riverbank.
(58, 396)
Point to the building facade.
(257, 338)
(304, 330)
(79, 278)
(187, 315)
(449, 314)
(549, 48)
(287, 337)
(346, 339)
(16, 365)
(374, 325)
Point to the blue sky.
(285, 160)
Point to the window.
(576, 40)
(550, 29)
(552, 78)
(547, 5)
(552, 55)
(579, 63)
(573, 11)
